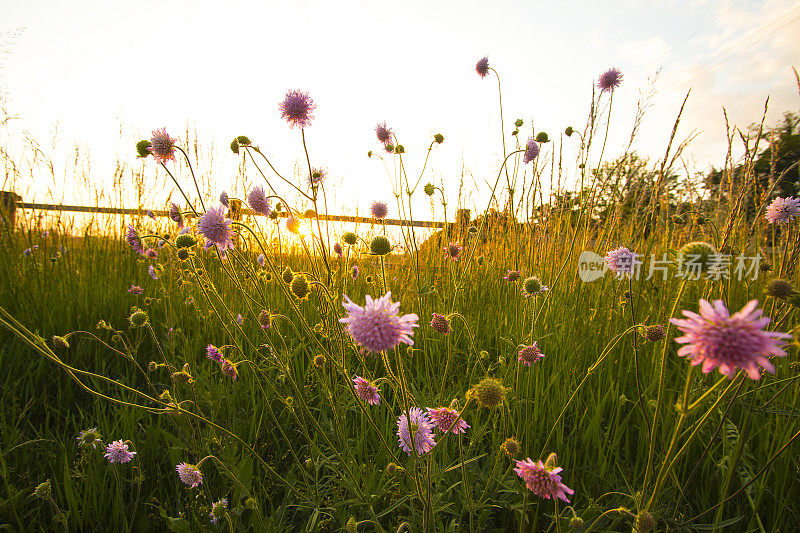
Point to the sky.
(105, 74)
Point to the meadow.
(223, 368)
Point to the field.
(271, 429)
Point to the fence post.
(8, 208)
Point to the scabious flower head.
(490, 392)
(530, 354)
(531, 151)
(293, 224)
(90, 437)
(223, 199)
(229, 369)
(149, 213)
(782, 210)
(152, 271)
(261, 260)
(133, 239)
(622, 261)
(453, 251)
(440, 324)
(213, 353)
(513, 275)
(135, 289)
(150, 253)
(533, 286)
(714, 338)
(239, 319)
(175, 214)
(444, 418)
(117, 452)
(216, 228)
(299, 286)
(380, 245)
(258, 201)
(383, 133)
(510, 447)
(654, 333)
(698, 257)
(354, 272)
(162, 146)
(297, 109)
(482, 67)
(377, 326)
(366, 391)
(189, 474)
(779, 288)
(317, 176)
(609, 80)
(541, 480)
(378, 210)
(185, 240)
(348, 237)
(218, 510)
(418, 431)
(337, 249)
(264, 319)
(287, 275)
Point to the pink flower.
(162, 146)
(717, 339)
(444, 418)
(189, 474)
(117, 452)
(366, 391)
(530, 354)
(419, 430)
(377, 326)
(542, 481)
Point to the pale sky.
(110, 72)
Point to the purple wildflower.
(532, 286)
(482, 67)
(445, 418)
(239, 319)
(152, 271)
(453, 251)
(135, 289)
(189, 474)
(378, 210)
(133, 239)
(542, 481)
(162, 146)
(150, 253)
(175, 214)
(90, 437)
(384, 133)
(265, 319)
(218, 510)
(622, 261)
(213, 353)
(717, 339)
(223, 199)
(117, 452)
(609, 80)
(530, 354)
(377, 326)
(229, 369)
(297, 109)
(293, 224)
(258, 201)
(216, 229)
(531, 151)
(27, 252)
(150, 214)
(782, 210)
(261, 260)
(420, 431)
(354, 272)
(337, 249)
(366, 391)
(440, 323)
(317, 176)
(513, 275)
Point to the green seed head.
(287, 275)
(779, 288)
(143, 148)
(43, 490)
(60, 342)
(569, 131)
(349, 238)
(576, 522)
(185, 241)
(380, 245)
(490, 392)
(654, 333)
(299, 286)
(319, 361)
(242, 140)
(235, 146)
(519, 122)
(183, 254)
(429, 189)
(399, 149)
(696, 256)
(510, 447)
(439, 138)
(532, 285)
(644, 522)
(351, 526)
(542, 137)
(138, 319)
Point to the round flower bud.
(43, 490)
(299, 286)
(287, 275)
(510, 447)
(235, 146)
(542, 137)
(185, 241)
(490, 392)
(389, 148)
(183, 254)
(380, 245)
(264, 319)
(644, 522)
(779, 288)
(152, 366)
(181, 377)
(532, 285)
(764, 267)
(242, 140)
(392, 469)
(369, 154)
(251, 504)
(310, 213)
(319, 361)
(654, 333)
(569, 131)
(439, 138)
(348, 237)
(697, 253)
(429, 189)
(576, 522)
(138, 319)
(518, 123)
(60, 342)
(143, 148)
(351, 526)
(399, 149)
(440, 324)
(368, 279)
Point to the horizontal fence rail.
(12, 201)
